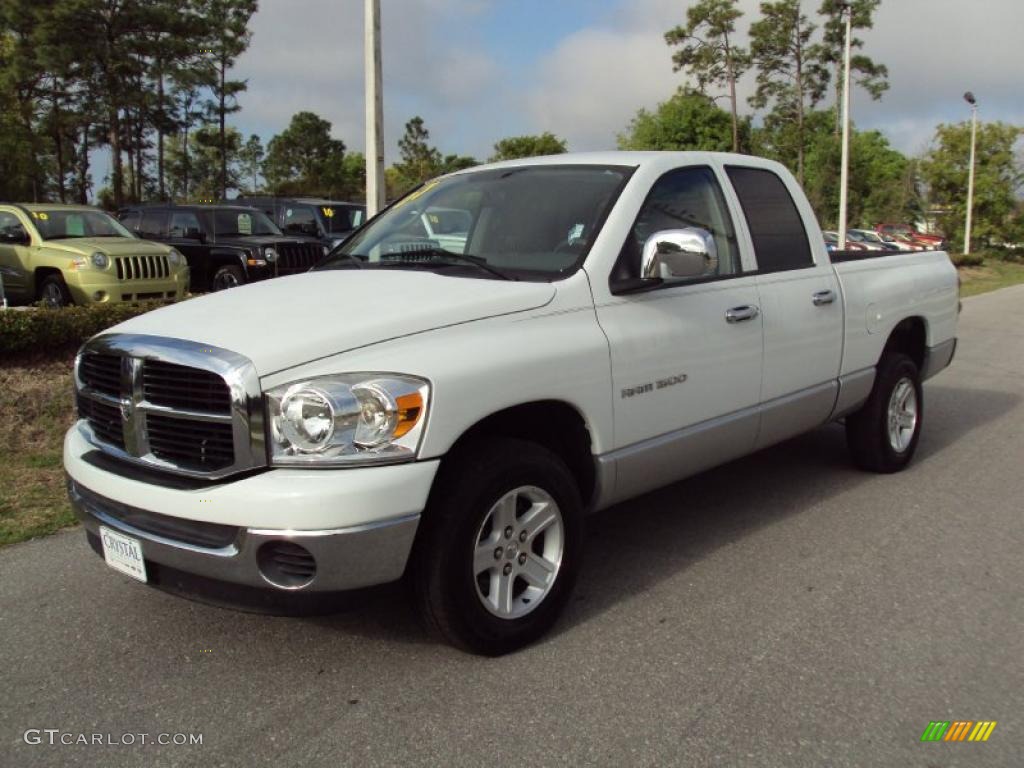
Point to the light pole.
(844, 170)
(374, 110)
(969, 98)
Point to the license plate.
(123, 553)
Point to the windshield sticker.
(417, 194)
(41, 215)
(328, 212)
(244, 224)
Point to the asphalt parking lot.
(783, 610)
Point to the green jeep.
(75, 254)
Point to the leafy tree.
(229, 36)
(452, 163)
(420, 161)
(304, 158)
(250, 157)
(870, 76)
(528, 146)
(882, 185)
(998, 179)
(791, 78)
(687, 121)
(203, 178)
(707, 51)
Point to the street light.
(844, 173)
(969, 98)
(374, 110)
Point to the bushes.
(56, 330)
(967, 259)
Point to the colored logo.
(958, 730)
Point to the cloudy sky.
(479, 70)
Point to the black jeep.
(225, 245)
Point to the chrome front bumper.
(345, 558)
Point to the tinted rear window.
(780, 239)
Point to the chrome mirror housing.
(679, 254)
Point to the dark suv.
(330, 221)
(225, 245)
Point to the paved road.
(783, 610)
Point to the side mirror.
(15, 237)
(679, 254)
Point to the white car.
(612, 323)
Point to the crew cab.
(448, 413)
(76, 254)
(225, 245)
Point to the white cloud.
(589, 87)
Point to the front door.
(686, 357)
(14, 249)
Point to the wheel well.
(910, 338)
(40, 274)
(556, 425)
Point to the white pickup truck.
(449, 410)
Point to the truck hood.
(288, 321)
(112, 246)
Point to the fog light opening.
(286, 565)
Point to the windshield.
(338, 219)
(62, 224)
(227, 222)
(533, 221)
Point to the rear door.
(801, 306)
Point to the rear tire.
(882, 436)
(227, 276)
(54, 293)
(499, 548)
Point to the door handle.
(821, 298)
(739, 314)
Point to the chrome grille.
(178, 386)
(171, 404)
(197, 445)
(105, 420)
(101, 373)
(293, 258)
(142, 267)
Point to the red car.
(928, 241)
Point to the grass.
(36, 410)
(990, 276)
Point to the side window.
(132, 220)
(11, 230)
(681, 199)
(300, 219)
(154, 224)
(778, 232)
(184, 224)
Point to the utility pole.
(374, 111)
(844, 172)
(969, 98)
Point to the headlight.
(270, 255)
(356, 418)
(100, 260)
(174, 258)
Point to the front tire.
(882, 436)
(499, 548)
(227, 276)
(54, 293)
